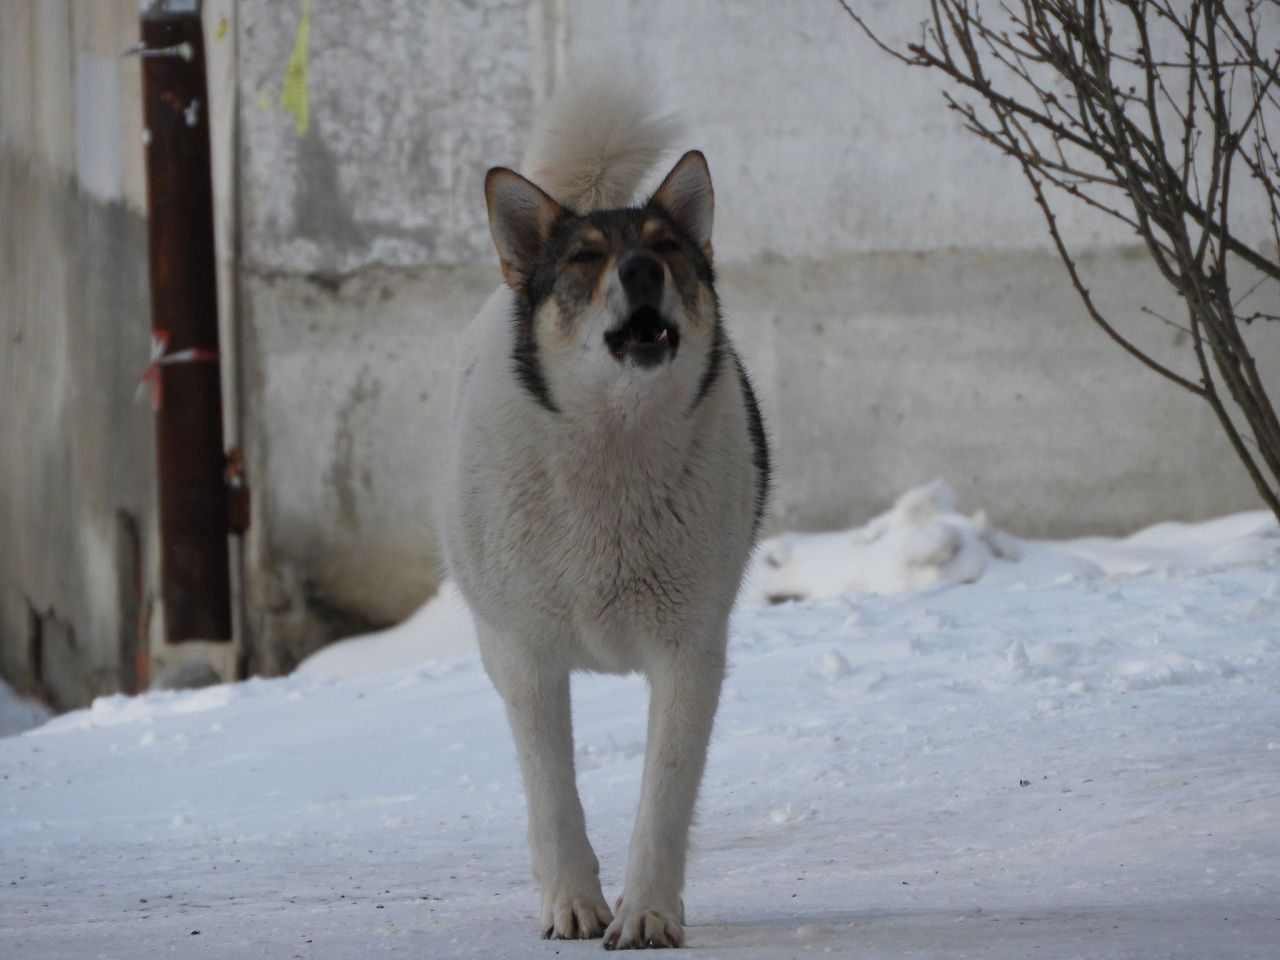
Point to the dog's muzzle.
(646, 337)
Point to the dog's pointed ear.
(520, 216)
(686, 194)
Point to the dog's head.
(610, 303)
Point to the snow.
(921, 542)
(1075, 753)
(440, 630)
(1240, 538)
(19, 713)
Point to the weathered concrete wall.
(76, 453)
(979, 368)
(886, 274)
(407, 105)
(893, 282)
(344, 530)
(365, 249)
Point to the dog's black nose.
(641, 275)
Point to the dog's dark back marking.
(714, 356)
(525, 360)
(538, 285)
(759, 445)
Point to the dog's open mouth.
(646, 338)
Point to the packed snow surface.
(1078, 760)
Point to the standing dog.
(607, 471)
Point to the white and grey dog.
(607, 471)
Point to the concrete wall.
(77, 500)
(364, 251)
(886, 275)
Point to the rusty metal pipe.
(185, 372)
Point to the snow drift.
(922, 542)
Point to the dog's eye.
(665, 245)
(587, 255)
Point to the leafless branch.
(1146, 111)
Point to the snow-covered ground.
(18, 713)
(1009, 749)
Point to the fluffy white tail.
(597, 138)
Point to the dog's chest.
(629, 543)
(624, 531)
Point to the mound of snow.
(922, 541)
(1252, 537)
(440, 630)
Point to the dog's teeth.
(662, 335)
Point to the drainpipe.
(184, 376)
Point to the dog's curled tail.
(596, 139)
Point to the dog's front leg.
(573, 906)
(685, 689)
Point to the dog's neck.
(620, 458)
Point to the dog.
(607, 473)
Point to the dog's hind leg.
(682, 706)
(537, 701)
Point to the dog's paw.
(617, 907)
(638, 929)
(567, 917)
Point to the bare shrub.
(1157, 113)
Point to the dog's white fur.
(596, 141)
(608, 535)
